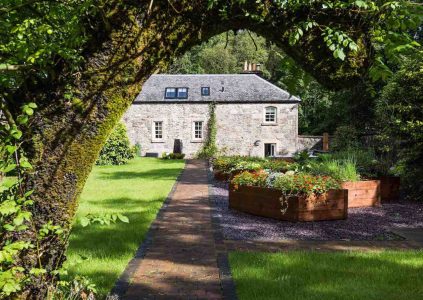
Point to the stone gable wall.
(240, 128)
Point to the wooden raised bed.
(266, 202)
(362, 193)
(389, 188)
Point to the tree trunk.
(78, 110)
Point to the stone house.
(253, 116)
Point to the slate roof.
(229, 88)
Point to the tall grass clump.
(342, 170)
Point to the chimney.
(252, 68)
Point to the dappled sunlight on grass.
(318, 275)
(136, 190)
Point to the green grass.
(387, 275)
(136, 190)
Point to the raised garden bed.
(266, 202)
(363, 193)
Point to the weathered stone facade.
(240, 127)
(177, 102)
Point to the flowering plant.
(305, 184)
(250, 179)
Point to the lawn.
(316, 275)
(136, 190)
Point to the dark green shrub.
(345, 137)
(400, 112)
(117, 150)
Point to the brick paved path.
(181, 261)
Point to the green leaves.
(102, 219)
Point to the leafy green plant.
(166, 155)
(246, 166)
(341, 170)
(226, 164)
(366, 161)
(137, 149)
(276, 165)
(117, 150)
(103, 219)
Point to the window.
(182, 93)
(270, 114)
(170, 93)
(176, 93)
(205, 91)
(158, 130)
(269, 150)
(198, 130)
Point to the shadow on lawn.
(163, 174)
(131, 204)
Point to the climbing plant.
(209, 148)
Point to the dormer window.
(176, 93)
(170, 93)
(205, 91)
(270, 114)
(182, 93)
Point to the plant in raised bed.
(250, 179)
(305, 184)
(292, 197)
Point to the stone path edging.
(226, 281)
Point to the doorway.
(269, 150)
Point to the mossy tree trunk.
(77, 109)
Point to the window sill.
(157, 141)
(197, 141)
(269, 124)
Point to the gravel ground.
(370, 223)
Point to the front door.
(269, 150)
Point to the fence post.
(325, 141)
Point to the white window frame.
(154, 138)
(275, 148)
(275, 109)
(194, 130)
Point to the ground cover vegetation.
(317, 275)
(135, 190)
(81, 62)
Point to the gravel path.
(370, 223)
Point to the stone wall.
(310, 142)
(240, 127)
(241, 130)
